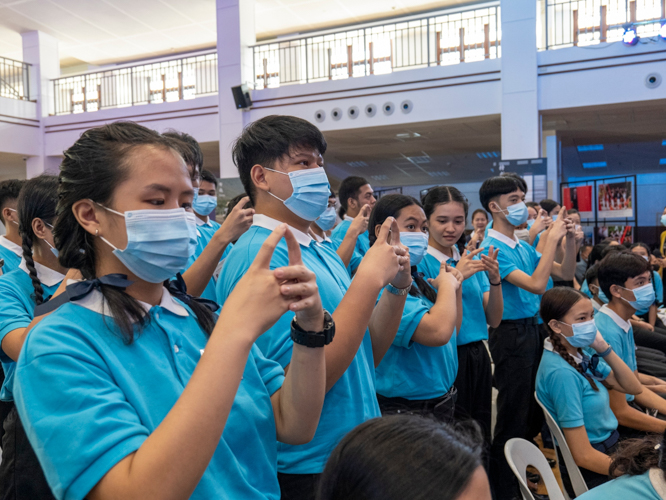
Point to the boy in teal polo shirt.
(279, 160)
(624, 278)
(516, 344)
(10, 242)
(356, 199)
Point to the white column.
(552, 155)
(521, 126)
(41, 51)
(235, 36)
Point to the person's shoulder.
(341, 228)
(14, 282)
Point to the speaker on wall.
(242, 96)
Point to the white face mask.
(522, 234)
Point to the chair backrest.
(577, 481)
(520, 454)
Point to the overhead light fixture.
(595, 164)
(662, 31)
(662, 161)
(357, 164)
(407, 135)
(630, 36)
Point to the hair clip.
(658, 446)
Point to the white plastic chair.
(559, 441)
(521, 454)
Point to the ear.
(7, 213)
(258, 176)
(555, 326)
(616, 291)
(86, 216)
(39, 228)
(378, 228)
(352, 203)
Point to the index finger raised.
(265, 253)
(293, 247)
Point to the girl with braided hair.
(35, 280)
(574, 386)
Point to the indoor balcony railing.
(14, 79)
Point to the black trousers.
(441, 408)
(654, 340)
(475, 386)
(21, 476)
(516, 348)
(298, 486)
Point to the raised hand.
(404, 277)
(541, 223)
(491, 266)
(299, 284)
(381, 263)
(468, 266)
(360, 223)
(259, 300)
(448, 277)
(560, 227)
(571, 227)
(237, 222)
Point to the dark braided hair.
(637, 456)
(555, 304)
(92, 169)
(390, 206)
(37, 200)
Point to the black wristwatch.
(314, 339)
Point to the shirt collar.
(504, 239)
(47, 276)
(269, 223)
(441, 257)
(316, 237)
(94, 301)
(658, 483)
(596, 305)
(204, 222)
(10, 245)
(346, 217)
(625, 325)
(548, 346)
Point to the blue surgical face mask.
(159, 242)
(311, 191)
(204, 204)
(326, 221)
(584, 288)
(530, 223)
(644, 296)
(583, 333)
(602, 296)
(54, 250)
(417, 244)
(663, 220)
(554, 217)
(516, 214)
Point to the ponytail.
(559, 348)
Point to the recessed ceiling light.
(408, 135)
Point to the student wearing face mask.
(10, 242)
(650, 314)
(135, 408)
(417, 373)
(213, 241)
(279, 160)
(624, 278)
(551, 207)
(516, 344)
(574, 386)
(37, 278)
(321, 229)
(482, 303)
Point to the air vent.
(357, 164)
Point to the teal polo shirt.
(515, 255)
(414, 371)
(473, 327)
(104, 398)
(570, 398)
(17, 310)
(11, 253)
(630, 487)
(352, 400)
(205, 233)
(362, 243)
(619, 334)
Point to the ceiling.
(96, 32)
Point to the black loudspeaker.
(242, 97)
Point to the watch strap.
(314, 339)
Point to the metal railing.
(14, 79)
(451, 37)
(164, 81)
(573, 23)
